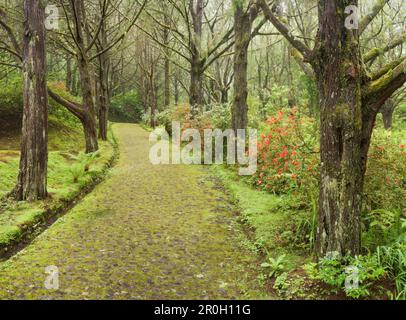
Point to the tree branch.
(284, 30)
(380, 4)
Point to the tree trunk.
(88, 104)
(196, 65)
(86, 84)
(104, 101)
(224, 96)
(242, 30)
(69, 75)
(176, 91)
(167, 75)
(75, 85)
(196, 83)
(32, 178)
(167, 94)
(387, 111)
(103, 110)
(342, 162)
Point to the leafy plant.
(334, 271)
(126, 107)
(307, 227)
(82, 164)
(393, 259)
(281, 282)
(275, 265)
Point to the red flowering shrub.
(199, 123)
(287, 153)
(182, 114)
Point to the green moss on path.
(147, 232)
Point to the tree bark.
(338, 73)
(89, 123)
(242, 31)
(86, 83)
(224, 96)
(103, 78)
(196, 63)
(69, 75)
(176, 91)
(387, 111)
(32, 178)
(167, 65)
(196, 82)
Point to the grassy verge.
(268, 217)
(70, 177)
(275, 226)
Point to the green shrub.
(11, 96)
(393, 259)
(220, 116)
(126, 107)
(336, 272)
(82, 164)
(385, 181)
(383, 227)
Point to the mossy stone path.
(147, 232)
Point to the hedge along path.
(147, 232)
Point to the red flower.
(402, 146)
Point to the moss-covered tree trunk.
(69, 75)
(338, 73)
(167, 65)
(242, 33)
(32, 178)
(103, 78)
(196, 82)
(176, 91)
(86, 83)
(196, 93)
(103, 103)
(89, 121)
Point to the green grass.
(273, 220)
(9, 162)
(65, 142)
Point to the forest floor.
(147, 232)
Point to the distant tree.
(188, 24)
